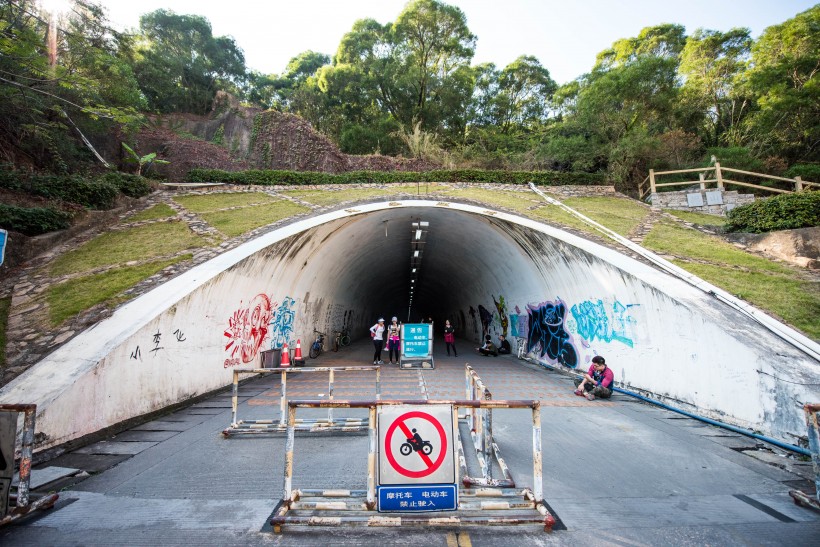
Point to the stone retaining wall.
(713, 202)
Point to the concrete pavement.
(615, 472)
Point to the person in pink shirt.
(597, 382)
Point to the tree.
(416, 69)
(180, 65)
(710, 63)
(783, 80)
(524, 92)
(46, 113)
(629, 97)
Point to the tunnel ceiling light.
(415, 254)
(414, 270)
(418, 234)
(424, 224)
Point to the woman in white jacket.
(377, 334)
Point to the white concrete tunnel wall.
(569, 296)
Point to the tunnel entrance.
(418, 263)
(489, 272)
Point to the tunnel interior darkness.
(367, 262)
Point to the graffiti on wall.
(247, 329)
(519, 324)
(472, 315)
(501, 306)
(486, 317)
(281, 324)
(547, 334)
(606, 323)
(156, 343)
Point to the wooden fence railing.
(717, 175)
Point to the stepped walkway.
(616, 472)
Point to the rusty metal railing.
(480, 423)
(813, 424)
(256, 427)
(23, 505)
(482, 506)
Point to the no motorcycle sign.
(416, 445)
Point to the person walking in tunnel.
(393, 339)
(597, 382)
(377, 334)
(488, 348)
(450, 338)
(504, 345)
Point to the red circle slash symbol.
(431, 465)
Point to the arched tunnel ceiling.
(370, 258)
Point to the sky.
(564, 35)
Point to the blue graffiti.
(594, 320)
(547, 332)
(282, 323)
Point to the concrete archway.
(485, 270)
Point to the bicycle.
(341, 339)
(317, 346)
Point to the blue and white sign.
(424, 497)
(417, 340)
(3, 237)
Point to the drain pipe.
(788, 334)
(785, 446)
(790, 447)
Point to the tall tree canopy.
(90, 88)
(783, 78)
(180, 65)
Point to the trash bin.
(271, 358)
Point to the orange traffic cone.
(297, 356)
(285, 362)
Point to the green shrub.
(806, 171)
(95, 194)
(133, 186)
(33, 221)
(784, 212)
(270, 177)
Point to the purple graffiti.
(547, 332)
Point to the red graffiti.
(248, 328)
(231, 363)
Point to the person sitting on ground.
(488, 348)
(503, 345)
(597, 382)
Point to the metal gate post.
(330, 396)
(283, 400)
(234, 396)
(25, 457)
(801, 498)
(371, 458)
(288, 486)
(22, 505)
(537, 481)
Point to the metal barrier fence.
(813, 424)
(480, 422)
(482, 506)
(256, 427)
(22, 506)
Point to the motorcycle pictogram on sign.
(415, 445)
